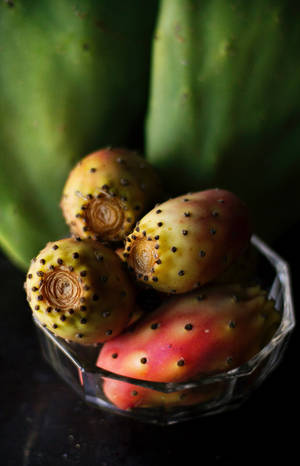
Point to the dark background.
(42, 422)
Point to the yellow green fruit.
(80, 291)
(106, 192)
(188, 241)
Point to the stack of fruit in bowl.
(194, 252)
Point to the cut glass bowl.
(75, 363)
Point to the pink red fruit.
(199, 333)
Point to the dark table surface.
(43, 422)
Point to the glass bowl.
(209, 395)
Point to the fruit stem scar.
(142, 256)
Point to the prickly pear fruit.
(106, 192)
(188, 241)
(126, 395)
(79, 291)
(189, 335)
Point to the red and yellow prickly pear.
(106, 192)
(79, 290)
(188, 336)
(188, 241)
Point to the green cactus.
(73, 77)
(225, 103)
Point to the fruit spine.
(188, 241)
(79, 291)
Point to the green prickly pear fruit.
(188, 241)
(79, 290)
(106, 192)
(188, 336)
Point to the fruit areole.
(224, 107)
(73, 77)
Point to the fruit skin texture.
(190, 335)
(218, 113)
(79, 291)
(189, 240)
(73, 77)
(107, 191)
